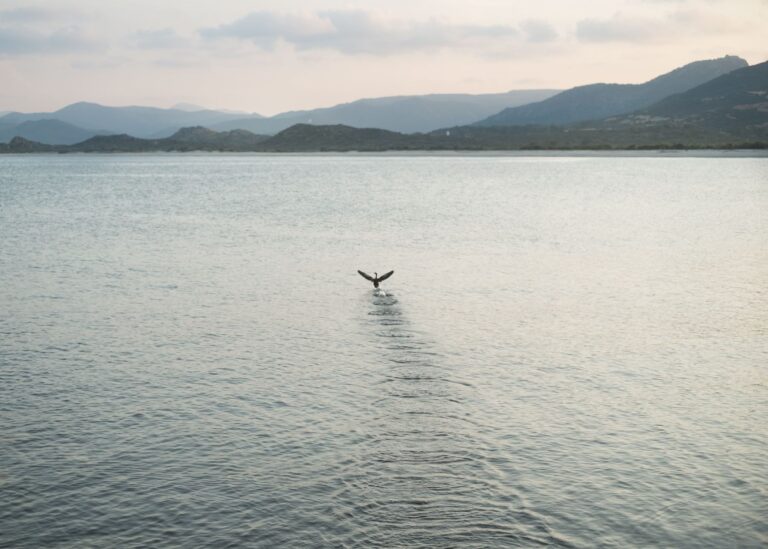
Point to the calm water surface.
(572, 351)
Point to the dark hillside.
(735, 103)
(597, 101)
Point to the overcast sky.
(269, 56)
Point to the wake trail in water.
(424, 475)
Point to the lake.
(572, 351)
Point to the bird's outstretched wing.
(385, 276)
(366, 276)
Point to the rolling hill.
(185, 140)
(51, 132)
(597, 101)
(232, 140)
(736, 102)
(136, 121)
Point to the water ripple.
(570, 353)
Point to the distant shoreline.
(556, 153)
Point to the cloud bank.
(358, 32)
(20, 41)
(33, 30)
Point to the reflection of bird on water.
(376, 278)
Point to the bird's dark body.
(376, 278)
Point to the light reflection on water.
(571, 351)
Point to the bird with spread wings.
(375, 278)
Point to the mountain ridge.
(600, 100)
(46, 131)
(407, 113)
(400, 113)
(735, 101)
(726, 112)
(135, 120)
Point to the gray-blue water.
(571, 352)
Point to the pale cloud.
(536, 30)
(626, 28)
(291, 54)
(22, 41)
(166, 38)
(358, 32)
(619, 29)
(40, 17)
(33, 30)
(266, 28)
(25, 15)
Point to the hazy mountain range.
(404, 114)
(726, 112)
(49, 131)
(729, 110)
(98, 119)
